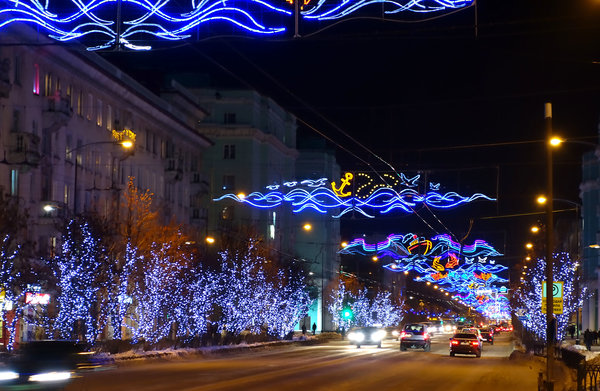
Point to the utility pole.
(549, 248)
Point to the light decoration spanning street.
(468, 271)
(374, 198)
(143, 20)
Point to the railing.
(588, 377)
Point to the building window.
(14, 182)
(48, 85)
(70, 96)
(99, 112)
(229, 118)
(80, 103)
(228, 182)
(90, 107)
(17, 74)
(227, 213)
(229, 151)
(36, 79)
(109, 118)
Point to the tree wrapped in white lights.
(338, 299)
(288, 303)
(530, 294)
(202, 293)
(77, 268)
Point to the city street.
(335, 365)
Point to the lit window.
(14, 182)
(99, 112)
(36, 79)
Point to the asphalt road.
(332, 366)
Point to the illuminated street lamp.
(535, 229)
(529, 246)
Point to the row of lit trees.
(350, 304)
(133, 273)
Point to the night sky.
(413, 92)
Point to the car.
(473, 330)
(436, 326)
(415, 335)
(488, 335)
(47, 364)
(465, 343)
(393, 332)
(366, 336)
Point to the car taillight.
(403, 335)
(475, 343)
(453, 342)
(425, 335)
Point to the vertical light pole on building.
(549, 248)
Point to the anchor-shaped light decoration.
(344, 182)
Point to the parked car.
(465, 343)
(366, 336)
(416, 336)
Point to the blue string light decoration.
(379, 198)
(466, 270)
(143, 20)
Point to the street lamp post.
(127, 144)
(549, 247)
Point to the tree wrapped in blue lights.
(289, 302)
(530, 294)
(202, 293)
(77, 269)
(378, 311)
(10, 278)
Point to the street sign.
(557, 289)
(557, 297)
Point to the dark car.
(415, 335)
(46, 365)
(366, 336)
(487, 335)
(465, 343)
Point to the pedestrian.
(314, 328)
(594, 336)
(572, 330)
(587, 339)
(303, 328)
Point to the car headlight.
(395, 333)
(356, 336)
(8, 375)
(378, 335)
(50, 376)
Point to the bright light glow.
(48, 208)
(529, 245)
(375, 258)
(356, 336)
(541, 199)
(528, 258)
(127, 144)
(555, 141)
(8, 375)
(378, 335)
(594, 245)
(210, 239)
(406, 272)
(50, 376)
(535, 229)
(307, 227)
(344, 244)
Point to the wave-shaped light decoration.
(382, 200)
(143, 20)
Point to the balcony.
(57, 111)
(199, 183)
(23, 149)
(173, 170)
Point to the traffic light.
(347, 313)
